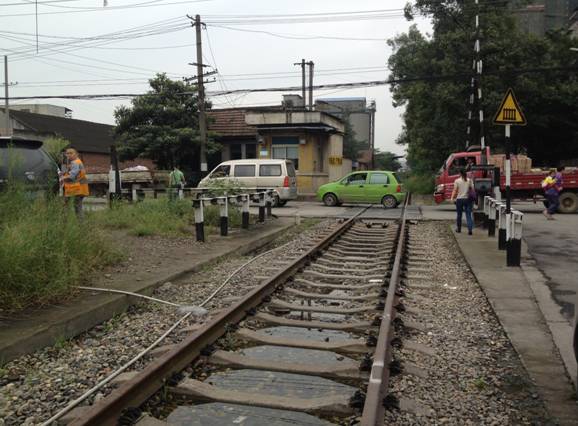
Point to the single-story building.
(313, 140)
(91, 140)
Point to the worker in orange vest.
(74, 180)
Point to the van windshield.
(290, 169)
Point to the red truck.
(525, 182)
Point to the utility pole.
(201, 94)
(303, 83)
(311, 64)
(6, 101)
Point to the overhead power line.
(359, 84)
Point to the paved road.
(554, 245)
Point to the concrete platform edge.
(540, 355)
(109, 305)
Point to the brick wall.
(99, 163)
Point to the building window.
(236, 151)
(286, 148)
(287, 152)
(270, 170)
(251, 150)
(245, 170)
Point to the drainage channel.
(303, 348)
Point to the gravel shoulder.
(474, 375)
(34, 387)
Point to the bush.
(161, 217)
(420, 184)
(44, 250)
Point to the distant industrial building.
(541, 16)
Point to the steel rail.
(136, 391)
(374, 408)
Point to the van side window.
(221, 171)
(244, 170)
(270, 170)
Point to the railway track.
(310, 345)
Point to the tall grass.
(44, 250)
(160, 217)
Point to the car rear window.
(397, 177)
(270, 170)
(245, 170)
(290, 169)
(378, 178)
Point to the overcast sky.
(75, 59)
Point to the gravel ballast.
(34, 387)
(474, 375)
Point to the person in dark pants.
(461, 196)
(552, 194)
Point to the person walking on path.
(552, 187)
(176, 182)
(463, 186)
(74, 181)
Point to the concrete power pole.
(311, 64)
(201, 95)
(6, 101)
(303, 81)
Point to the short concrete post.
(491, 217)
(268, 204)
(245, 211)
(514, 246)
(501, 226)
(181, 194)
(486, 211)
(199, 219)
(261, 207)
(134, 196)
(224, 213)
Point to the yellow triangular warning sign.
(510, 111)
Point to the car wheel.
(330, 200)
(389, 202)
(281, 203)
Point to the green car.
(364, 187)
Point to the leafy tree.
(351, 146)
(435, 118)
(386, 160)
(162, 125)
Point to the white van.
(262, 174)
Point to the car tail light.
(286, 182)
(398, 188)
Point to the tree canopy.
(435, 118)
(161, 125)
(385, 160)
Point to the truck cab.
(450, 171)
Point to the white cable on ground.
(121, 369)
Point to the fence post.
(224, 213)
(501, 226)
(245, 213)
(199, 219)
(261, 207)
(181, 194)
(514, 246)
(491, 217)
